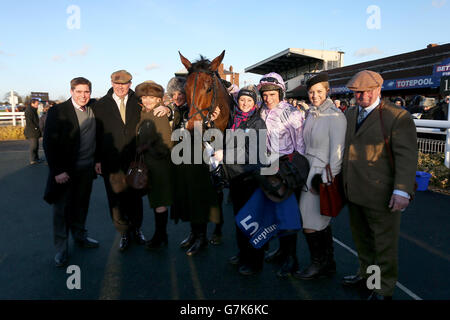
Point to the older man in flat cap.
(118, 114)
(379, 168)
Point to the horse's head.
(205, 91)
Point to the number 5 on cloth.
(260, 218)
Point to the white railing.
(430, 145)
(433, 126)
(14, 116)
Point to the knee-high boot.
(317, 244)
(159, 238)
(327, 239)
(290, 262)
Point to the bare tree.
(8, 94)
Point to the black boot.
(159, 239)
(199, 238)
(318, 257)
(216, 238)
(189, 241)
(330, 267)
(277, 255)
(290, 262)
(199, 243)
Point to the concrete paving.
(27, 269)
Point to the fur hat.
(176, 84)
(149, 89)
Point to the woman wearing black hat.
(242, 184)
(324, 136)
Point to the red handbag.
(332, 198)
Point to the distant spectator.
(431, 111)
(32, 131)
(415, 104)
(302, 105)
(444, 107)
(43, 116)
(167, 99)
(337, 103)
(398, 101)
(294, 102)
(343, 106)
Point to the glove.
(315, 182)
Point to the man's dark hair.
(34, 101)
(80, 80)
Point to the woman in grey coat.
(324, 137)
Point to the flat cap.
(365, 80)
(121, 76)
(321, 77)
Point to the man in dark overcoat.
(32, 131)
(117, 115)
(69, 145)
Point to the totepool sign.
(410, 83)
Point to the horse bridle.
(206, 119)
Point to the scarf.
(241, 116)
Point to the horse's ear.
(187, 64)
(217, 61)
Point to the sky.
(46, 43)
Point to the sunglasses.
(269, 79)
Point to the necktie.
(361, 115)
(83, 109)
(122, 109)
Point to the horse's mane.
(201, 65)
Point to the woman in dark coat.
(241, 176)
(153, 140)
(195, 199)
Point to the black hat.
(321, 77)
(247, 92)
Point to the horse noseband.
(206, 120)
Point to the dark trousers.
(34, 149)
(218, 228)
(126, 208)
(71, 209)
(241, 191)
(376, 235)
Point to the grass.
(11, 133)
(434, 164)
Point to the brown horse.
(205, 91)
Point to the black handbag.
(137, 174)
